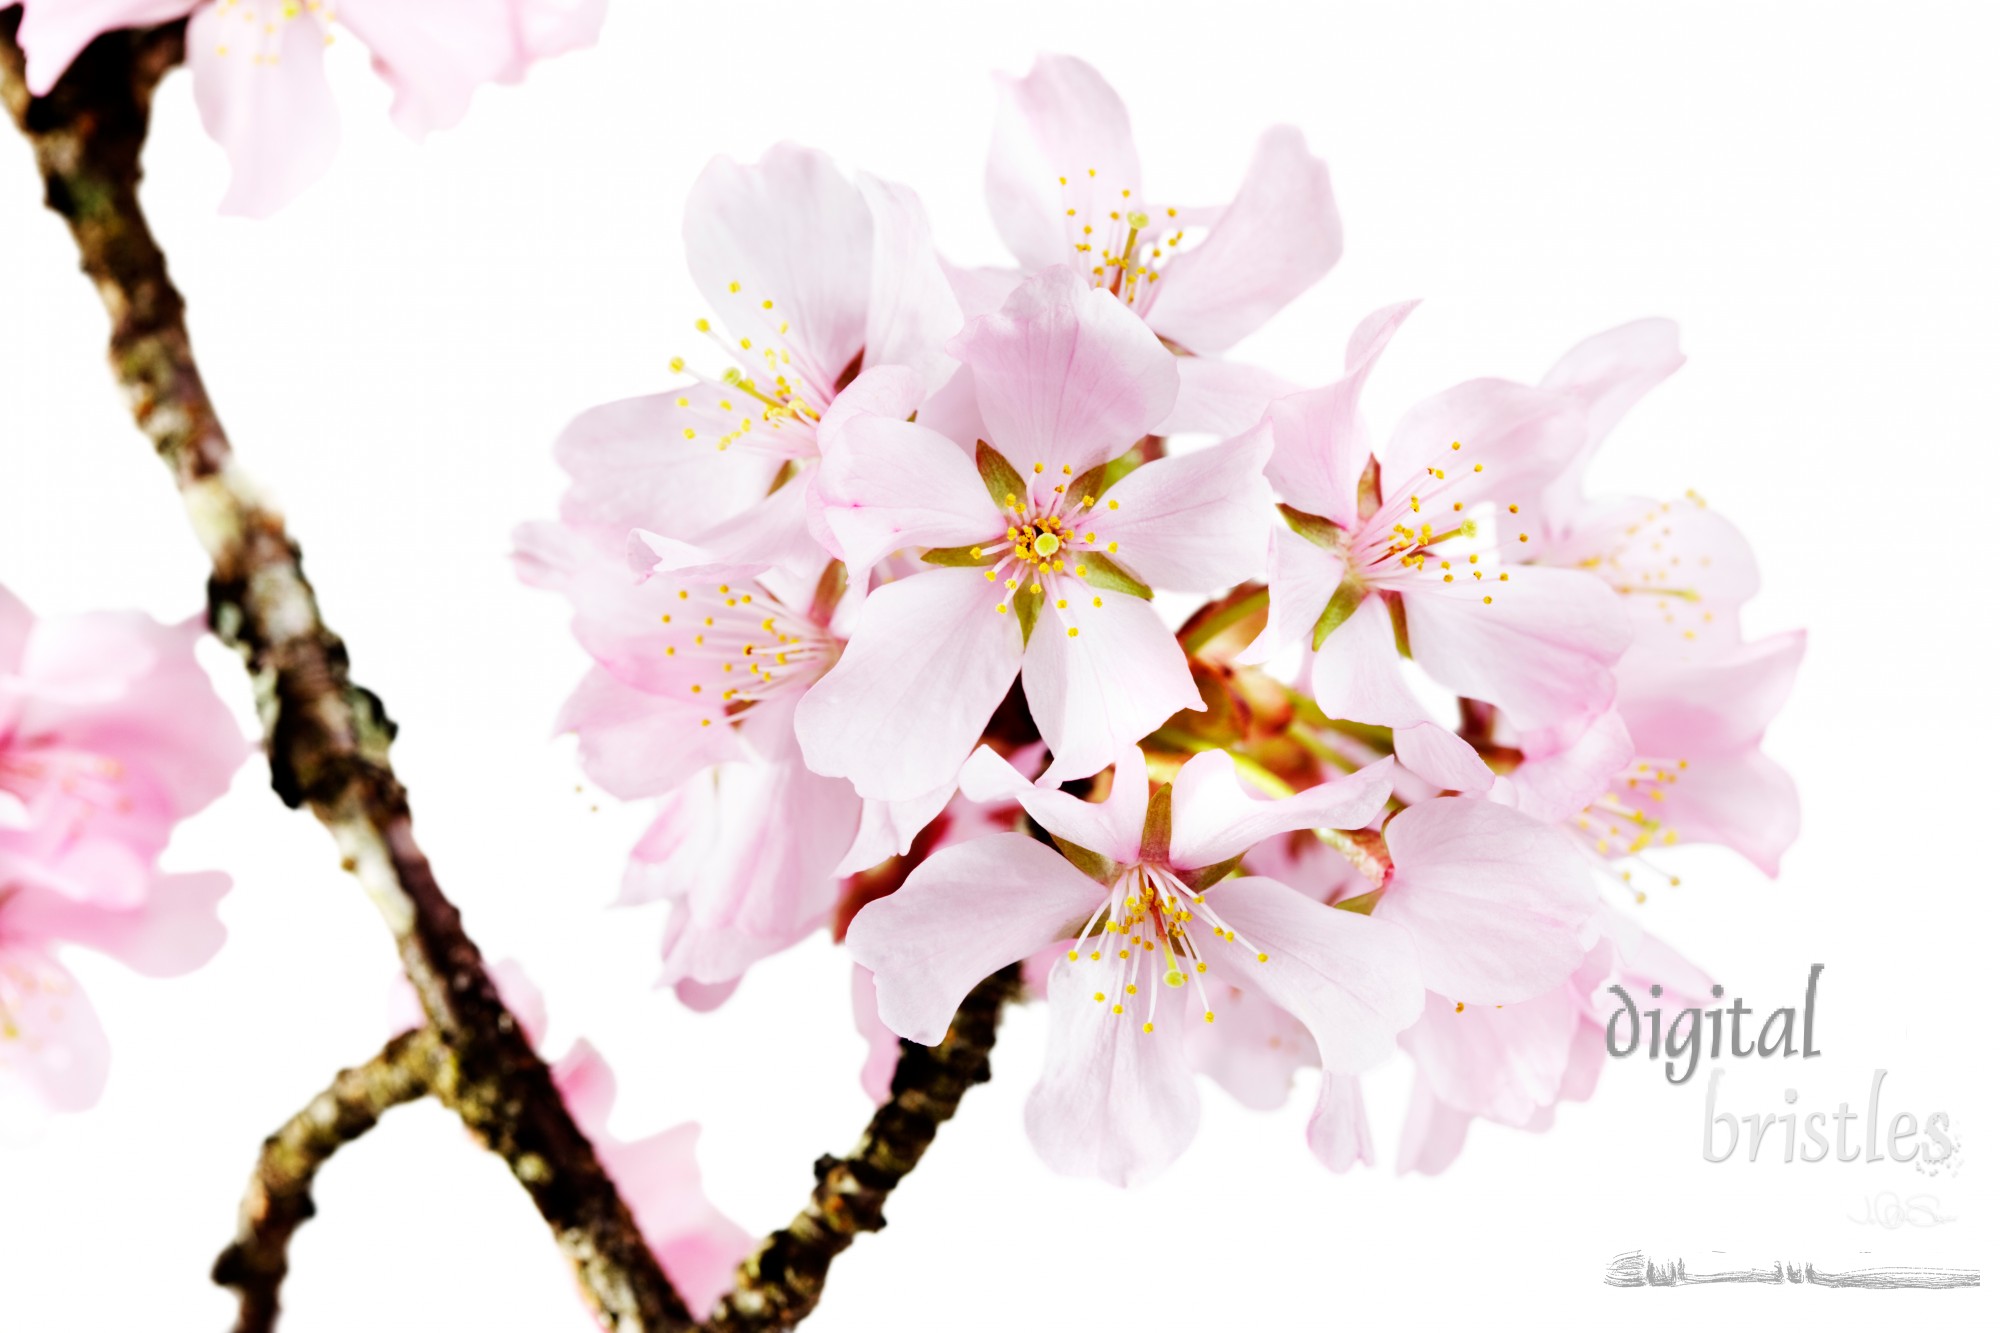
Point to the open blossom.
(259, 67)
(1153, 925)
(110, 734)
(698, 670)
(1040, 562)
(812, 279)
(1682, 570)
(1064, 186)
(1422, 545)
(1679, 758)
(1514, 1064)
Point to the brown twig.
(279, 1197)
(781, 1282)
(328, 738)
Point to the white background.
(1809, 189)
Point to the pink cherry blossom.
(1064, 186)
(812, 278)
(698, 670)
(1422, 546)
(1514, 1064)
(110, 735)
(1682, 570)
(1514, 906)
(1154, 922)
(1690, 768)
(1044, 567)
(260, 74)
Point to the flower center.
(1630, 818)
(1117, 243)
(1049, 550)
(733, 647)
(1156, 928)
(767, 400)
(1441, 518)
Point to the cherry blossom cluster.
(876, 595)
(989, 617)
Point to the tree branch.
(279, 1197)
(781, 1283)
(328, 738)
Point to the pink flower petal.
(1253, 1048)
(1351, 979)
(1066, 374)
(1608, 374)
(1194, 521)
(434, 56)
(911, 306)
(1062, 140)
(1215, 819)
(885, 1048)
(1338, 1131)
(634, 744)
(1111, 827)
(53, 1050)
(1516, 435)
(1357, 673)
(1441, 757)
(1302, 577)
(1114, 1101)
(1279, 237)
(1320, 442)
(1542, 649)
(1433, 1133)
(1097, 691)
(1504, 1064)
(1553, 787)
(1494, 900)
(1221, 397)
(966, 912)
(172, 930)
(794, 232)
(54, 32)
(264, 97)
(632, 465)
(927, 663)
(889, 484)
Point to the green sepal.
(1027, 609)
(1319, 531)
(1159, 833)
(1003, 483)
(1346, 599)
(1399, 621)
(1101, 571)
(1362, 903)
(962, 555)
(1099, 867)
(1201, 879)
(1092, 484)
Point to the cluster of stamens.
(1155, 927)
(761, 402)
(736, 646)
(1423, 524)
(1647, 563)
(1619, 826)
(1119, 250)
(265, 46)
(1036, 553)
